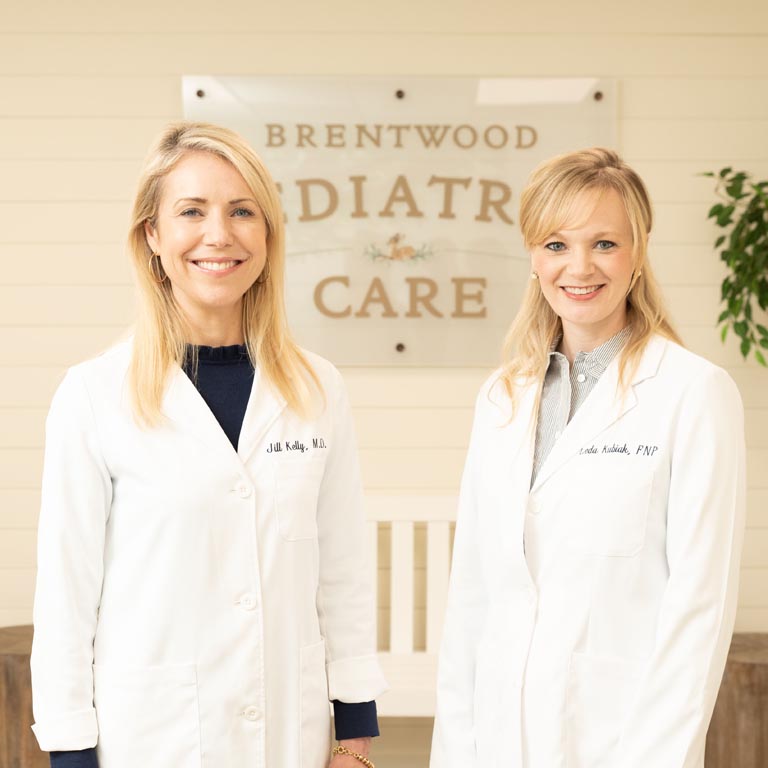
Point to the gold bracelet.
(339, 750)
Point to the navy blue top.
(224, 379)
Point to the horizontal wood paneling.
(29, 306)
(693, 139)
(693, 98)
(65, 264)
(46, 138)
(552, 17)
(751, 619)
(755, 550)
(68, 180)
(677, 180)
(17, 587)
(19, 509)
(56, 346)
(13, 617)
(80, 222)
(91, 96)
(752, 585)
(17, 551)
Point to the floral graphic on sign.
(398, 251)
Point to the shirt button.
(247, 602)
(581, 378)
(244, 491)
(252, 714)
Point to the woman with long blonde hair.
(595, 566)
(202, 590)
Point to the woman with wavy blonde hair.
(202, 589)
(595, 567)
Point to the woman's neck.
(213, 329)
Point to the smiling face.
(585, 269)
(212, 239)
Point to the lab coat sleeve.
(667, 725)
(453, 739)
(76, 497)
(345, 595)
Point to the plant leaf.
(745, 347)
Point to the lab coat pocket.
(612, 518)
(315, 708)
(598, 697)
(297, 487)
(147, 716)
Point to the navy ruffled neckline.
(233, 353)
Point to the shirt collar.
(599, 358)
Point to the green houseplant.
(743, 216)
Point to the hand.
(361, 746)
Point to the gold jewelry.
(534, 275)
(156, 271)
(339, 750)
(262, 278)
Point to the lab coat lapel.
(264, 408)
(513, 463)
(602, 408)
(185, 407)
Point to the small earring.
(263, 278)
(534, 275)
(155, 270)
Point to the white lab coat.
(589, 617)
(198, 606)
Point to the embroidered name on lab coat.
(296, 446)
(628, 450)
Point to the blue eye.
(190, 212)
(555, 246)
(604, 245)
(242, 212)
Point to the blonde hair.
(162, 332)
(549, 202)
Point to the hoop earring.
(263, 278)
(155, 270)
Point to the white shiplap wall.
(84, 88)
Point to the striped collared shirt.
(565, 390)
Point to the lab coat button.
(247, 602)
(252, 714)
(244, 491)
(581, 378)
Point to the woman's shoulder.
(98, 375)
(690, 370)
(502, 394)
(682, 361)
(111, 362)
(327, 373)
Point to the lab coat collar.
(184, 406)
(602, 408)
